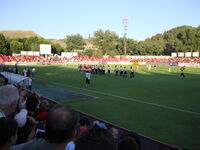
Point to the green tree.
(56, 49)
(74, 42)
(105, 41)
(4, 45)
(16, 46)
(168, 49)
(34, 47)
(131, 46)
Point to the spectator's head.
(129, 142)
(3, 80)
(44, 106)
(96, 138)
(114, 132)
(32, 103)
(8, 132)
(9, 96)
(84, 122)
(61, 124)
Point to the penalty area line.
(126, 98)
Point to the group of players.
(101, 70)
(122, 71)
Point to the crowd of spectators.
(61, 60)
(130, 59)
(31, 59)
(27, 121)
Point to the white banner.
(45, 49)
(195, 54)
(174, 54)
(188, 54)
(180, 54)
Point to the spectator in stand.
(8, 132)
(130, 141)
(84, 125)
(9, 96)
(60, 128)
(26, 119)
(32, 105)
(114, 132)
(3, 80)
(43, 110)
(96, 138)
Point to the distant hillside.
(61, 42)
(18, 33)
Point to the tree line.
(106, 42)
(15, 45)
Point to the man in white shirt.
(87, 81)
(132, 72)
(25, 72)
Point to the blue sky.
(58, 18)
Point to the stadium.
(156, 104)
(99, 75)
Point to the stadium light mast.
(125, 22)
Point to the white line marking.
(130, 99)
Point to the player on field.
(116, 70)
(121, 71)
(169, 69)
(182, 75)
(125, 72)
(109, 69)
(87, 81)
(132, 72)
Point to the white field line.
(130, 99)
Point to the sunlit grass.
(157, 87)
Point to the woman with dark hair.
(8, 132)
(32, 104)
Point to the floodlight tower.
(125, 22)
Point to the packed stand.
(31, 59)
(109, 59)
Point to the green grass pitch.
(157, 104)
